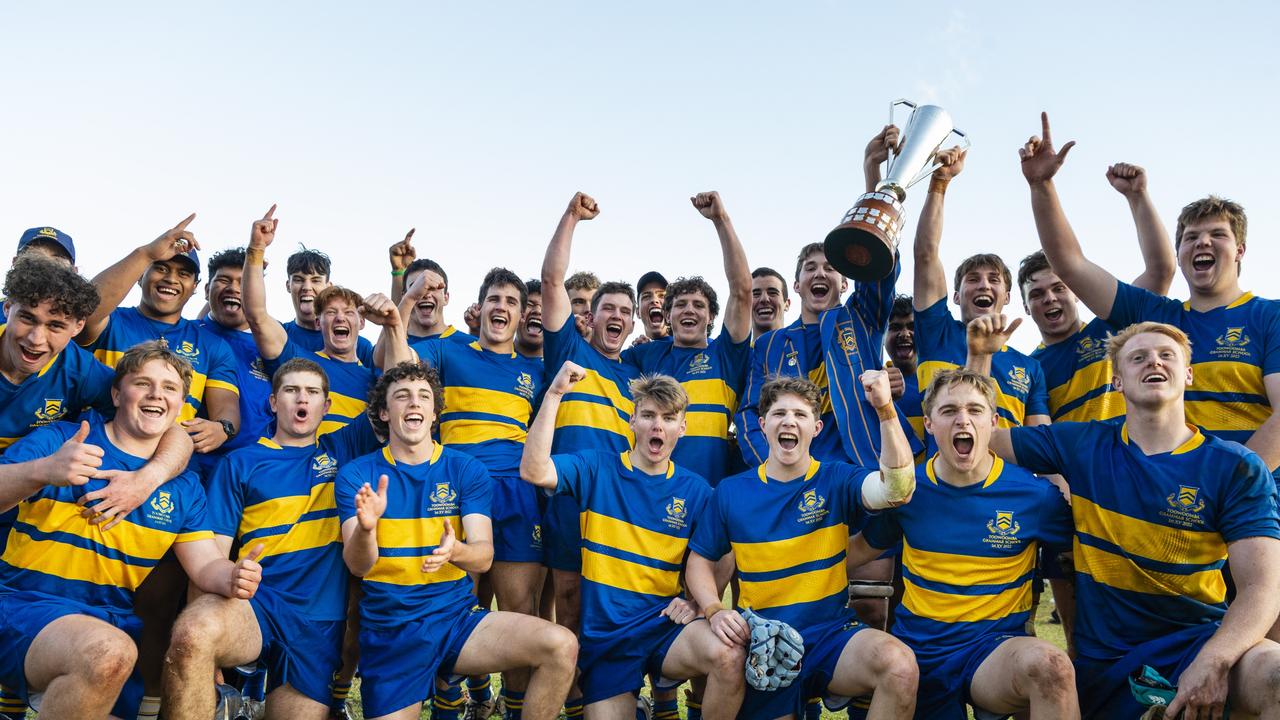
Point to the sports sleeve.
(364, 351)
(935, 335)
(93, 385)
(222, 365)
(195, 517)
(1038, 394)
(1249, 502)
(431, 352)
(575, 473)
(1271, 340)
(477, 490)
(882, 530)
(872, 301)
(1056, 525)
(290, 351)
(39, 443)
(711, 535)
(1134, 304)
(557, 346)
(345, 486)
(1041, 449)
(751, 440)
(735, 361)
(352, 440)
(225, 497)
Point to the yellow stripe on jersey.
(1085, 380)
(713, 391)
(954, 607)
(408, 571)
(947, 567)
(285, 510)
(818, 376)
(775, 555)
(614, 533)
(625, 575)
(6, 442)
(706, 424)
(1104, 407)
(926, 372)
(470, 431)
(415, 532)
(1119, 572)
(222, 385)
(306, 535)
(493, 402)
(1152, 541)
(345, 405)
(794, 589)
(579, 413)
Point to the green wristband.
(397, 273)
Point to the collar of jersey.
(475, 345)
(626, 463)
(813, 470)
(47, 365)
(1246, 297)
(435, 454)
(1195, 441)
(325, 355)
(997, 467)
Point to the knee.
(895, 668)
(728, 661)
(559, 645)
(193, 635)
(1048, 669)
(108, 660)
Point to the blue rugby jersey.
(282, 497)
(420, 498)
(789, 540)
(594, 415)
(969, 554)
(450, 333)
(714, 378)
(1151, 532)
(1232, 349)
(72, 381)
(488, 401)
(349, 384)
(911, 406)
(252, 381)
(1078, 375)
(941, 345)
(54, 551)
(213, 362)
(635, 532)
(313, 341)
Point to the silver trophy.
(863, 245)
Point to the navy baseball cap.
(649, 278)
(49, 234)
(191, 257)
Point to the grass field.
(1044, 629)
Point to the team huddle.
(235, 516)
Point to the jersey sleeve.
(345, 486)
(352, 440)
(1038, 395)
(935, 333)
(364, 351)
(882, 530)
(872, 301)
(735, 359)
(751, 440)
(39, 443)
(1134, 304)
(431, 352)
(1056, 525)
(557, 346)
(195, 518)
(711, 535)
(1271, 340)
(1040, 448)
(575, 473)
(226, 497)
(222, 366)
(290, 351)
(93, 386)
(1249, 502)
(477, 490)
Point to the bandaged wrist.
(888, 488)
(886, 412)
(711, 610)
(255, 255)
(938, 185)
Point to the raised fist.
(582, 207)
(709, 204)
(1127, 179)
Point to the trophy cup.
(862, 246)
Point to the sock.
(514, 702)
(573, 708)
(12, 706)
(694, 707)
(340, 689)
(480, 692)
(813, 709)
(150, 708)
(448, 703)
(666, 709)
(255, 683)
(859, 707)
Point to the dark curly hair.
(503, 276)
(404, 371)
(34, 279)
(688, 286)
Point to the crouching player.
(418, 616)
(970, 537)
(787, 523)
(1158, 506)
(639, 510)
(67, 628)
(275, 495)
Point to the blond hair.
(1116, 342)
(959, 376)
(661, 390)
(143, 353)
(1213, 207)
(778, 385)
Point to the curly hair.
(34, 279)
(308, 262)
(231, 257)
(689, 286)
(404, 371)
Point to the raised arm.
(1158, 261)
(360, 533)
(737, 310)
(1089, 281)
(535, 464)
(897, 480)
(268, 334)
(114, 283)
(393, 341)
(877, 153)
(556, 310)
(402, 255)
(930, 275)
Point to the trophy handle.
(964, 145)
(893, 106)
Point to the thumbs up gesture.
(75, 462)
(247, 574)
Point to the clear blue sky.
(476, 122)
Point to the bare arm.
(1266, 439)
(74, 463)
(360, 533)
(402, 254)
(897, 476)
(737, 310)
(930, 275)
(1001, 444)
(268, 334)
(535, 464)
(860, 551)
(727, 624)
(210, 570)
(556, 309)
(1158, 261)
(114, 283)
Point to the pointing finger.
(183, 225)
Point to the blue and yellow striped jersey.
(635, 532)
(72, 381)
(449, 333)
(313, 341)
(213, 363)
(941, 345)
(253, 382)
(282, 497)
(714, 378)
(911, 406)
(594, 415)
(1232, 349)
(488, 401)
(1078, 375)
(789, 540)
(349, 385)
(420, 498)
(54, 551)
(1151, 531)
(969, 554)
